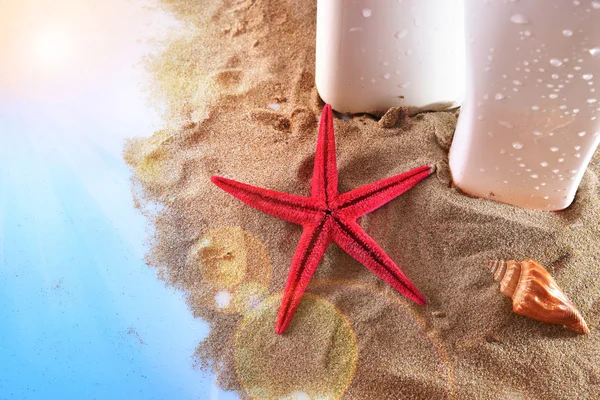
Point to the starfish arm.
(363, 200)
(325, 174)
(289, 207)
(355, 241)
(311, 248)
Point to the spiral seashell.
(535, 293)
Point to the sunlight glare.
(61, 49)
(52, 48)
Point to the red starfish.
(328, 216)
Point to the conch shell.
(535, 293)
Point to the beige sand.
(241, 103)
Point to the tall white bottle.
(377, 54)
(529, 124)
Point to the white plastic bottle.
(529, 124)
(377, 54)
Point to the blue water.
(81, 315)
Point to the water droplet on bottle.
(555, 76)
(553, 96)
(404, 85)
(408, 52)
(567, 32)
(590, 101)
(577, 147)
(587, 77)
(555, 171)
(506, 124)
(522, 165)
(560, 160)
(517, 145)
(581, 134)
(535, 108)
(416, 21)
(573, 171)
(517, 82)
(546, 197)
(596, 4)
(505, 182)
(554, 149)
(499, 96)
(534, 176)
(366, 12)
(595, 52)
(577, 155)
(544, 164)
(519, 19)
(555, 62)
(401, 34)
(537, 133)
(481, 170)
(357, 29)
(387, 75)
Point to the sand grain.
(241, 103)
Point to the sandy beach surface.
(237, 89)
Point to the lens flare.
(231, 269)
(316, 358)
